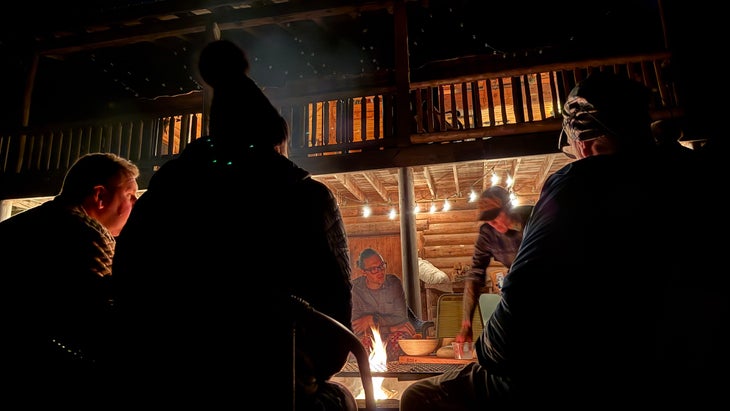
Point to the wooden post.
(409, 239)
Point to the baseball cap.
(605, 103)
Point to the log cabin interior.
(391, 104)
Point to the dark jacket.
(56, 299)
(207, 262)
(638, 312)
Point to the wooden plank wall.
(447, 239)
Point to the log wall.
(446, 238)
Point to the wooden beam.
(455, 172)
(514, 168)
(430, 183)
(545, 172)
(351, 186)
(377, 185)
(231, 19)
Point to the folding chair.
(487, 305)
(449, 310)
(305, 314)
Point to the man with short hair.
(56, 271)
(657, 340)
(500, 235)
(379, 302)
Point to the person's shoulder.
(315, 186)
(486, 230)
(358, 282)
(393, 279)
(358, 285)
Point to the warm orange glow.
(378, 362)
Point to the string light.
(392, 214)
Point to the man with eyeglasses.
(379, 302)
(657, 337)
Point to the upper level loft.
(363, 85)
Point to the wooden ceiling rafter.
(377, 185)
(512, 172)
(455, 173)
(351, 186)
(430, 183)
(231, 19)
(545, 172)
(485, 181)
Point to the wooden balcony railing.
(519, 101)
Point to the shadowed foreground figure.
(223, 236)
(55, 264)
(622, 209)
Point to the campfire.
(378, 362)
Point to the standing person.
(662, 342)
(499, 238)
(379, 301)
(206, 265)
(56, 264)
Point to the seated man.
(379, 302)
(659, 344)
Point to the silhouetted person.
(659, 339)
(223, 236)
(56, 258)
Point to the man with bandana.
(659, 340)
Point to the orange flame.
(378, 362)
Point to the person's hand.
(465, 334)
(363, 325)
(406, 327)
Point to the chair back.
(330, 326)
(449, 309)
(487, 305)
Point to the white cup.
(463, 351)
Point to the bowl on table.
(418, 346)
